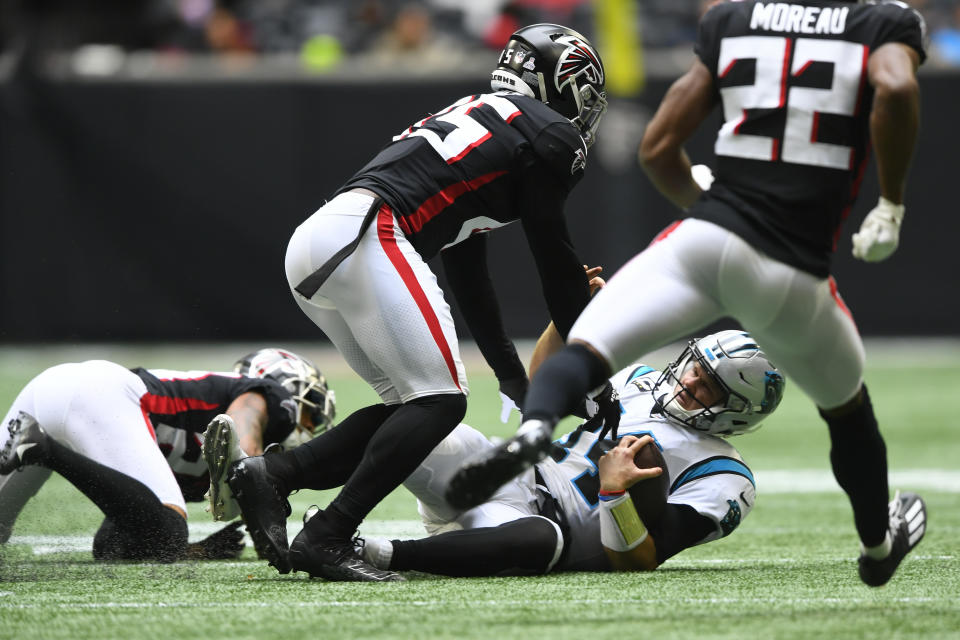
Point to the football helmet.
(559, 67)
(301, 378)
(752, 385)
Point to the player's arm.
(895, 118)
(686, 104)
(625, 538)
(562, 278)
(465, 265)
(550, 341)
(894, 121)
(249, 413)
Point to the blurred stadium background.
(155, 155)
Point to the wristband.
(606, 496)
(620, 526)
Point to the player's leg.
(90, 429)
(16, 489)
(664, 293)
(525, 546)
(806, 329)
(401, 323)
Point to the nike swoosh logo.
(745, 501)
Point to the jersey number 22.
(774, 66)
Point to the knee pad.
(448, 408)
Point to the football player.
(358, 269)
(805, 88)
(573, 511)
(129, 439)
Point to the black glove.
(608, 412)
(225, 544)
(512, 393)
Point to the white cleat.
(221, 448)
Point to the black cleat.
(479, 478)
(908, 523)
(263, 508)
(335, 560)
(26, 445)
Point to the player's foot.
(375, 551)
(335, 559)
(26, 445)
(220, 450)
(908, 523)
(264, 509)
(479, 478)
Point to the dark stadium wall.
(161, 211)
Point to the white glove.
(507, 405)
(879, 234)
(702, 175)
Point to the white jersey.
(705, 471)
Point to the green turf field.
(788, 571)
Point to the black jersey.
(180, 405)
(457, 172)
(792, 149)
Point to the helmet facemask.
(670, 393)
(307, 387)
(593, 105)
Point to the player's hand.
(225, 544)
(512, 393)
(593, 275)
(879, 234)
(617, 468)
(702, 175)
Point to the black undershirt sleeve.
(562, 277)
(465, 265)
(680, 527)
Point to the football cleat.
(263, 508)
(908, 523)
(26, 445)
(220, 450)
(479, 478)
(336, 560)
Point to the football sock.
(859, 459)
(524, 546)
(327, 461)
(880, 551)
(397, 447)
(561, 383)
(121, 498)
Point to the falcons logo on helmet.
(579, 59)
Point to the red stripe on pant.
(389, 244)
(666, 232)
(835, 294)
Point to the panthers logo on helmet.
(578, 59)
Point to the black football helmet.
(301, 378)
(559, 67)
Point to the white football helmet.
(302, 379)
(752, 384)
